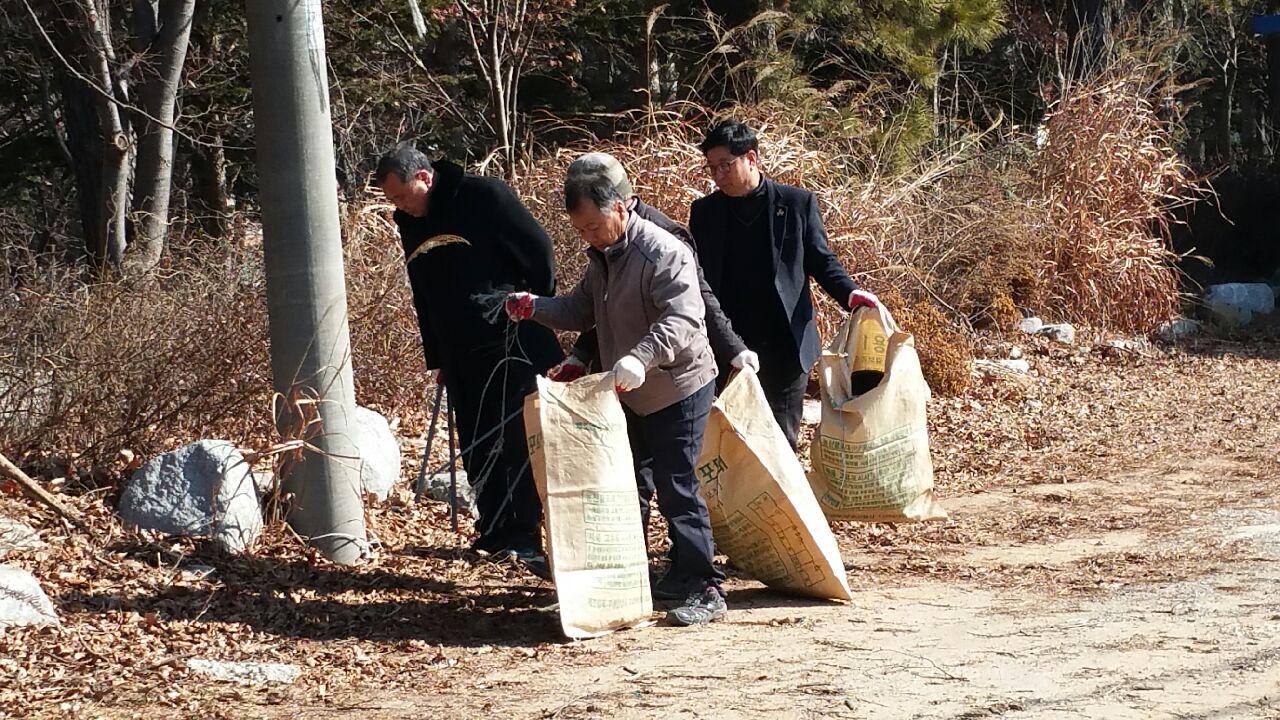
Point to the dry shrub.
(386, 348)
(883, 230)
(946, 353)
(976, 234)
(89, 369)
(1108, 181)
(984, 231)
(1004, 313)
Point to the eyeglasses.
(720, 167)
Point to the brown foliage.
(975, 236)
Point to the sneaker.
(706, 605)
(531, 560)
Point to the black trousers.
(666, 445)
(784, 384)
(484, 394)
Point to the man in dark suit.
(759, 242)
(465, 238)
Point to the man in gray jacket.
(640, 292)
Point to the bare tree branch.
(93, 85)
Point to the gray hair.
(404, 160)
(593, 186)
(609, 165)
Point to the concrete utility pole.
(306, 294)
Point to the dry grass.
(970, 238)
(974, 236)
(89, 369)
(1108, 181)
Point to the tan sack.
(581, 460)
(871, 454)
(763, 512)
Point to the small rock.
(811, 414)
(438, 490)
(1015, 352)
(379, 453)
(1021, 367)
(245, 673)
(205, 489)
(22, 601)
(16, 537)
(1178, 328)
(195, 571)
(1235, 304)
(1064, 333)
(1031, 325)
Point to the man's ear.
(423, 175)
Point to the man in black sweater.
(759, 242)
(466, 238)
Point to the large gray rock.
(1235, 304)
(245, 673)
(16, 537)
(22, 601)
(379, 453)
(205, 489)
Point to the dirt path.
(1205, 646)
(1113, 551)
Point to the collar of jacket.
(616, 250)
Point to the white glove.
(746, 360)
(862, 298)
(628, 374)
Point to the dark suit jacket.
(800, 252)
(725, 343)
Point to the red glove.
(571, 369)
(519, 306)
(862, 298)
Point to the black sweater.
(476, 239)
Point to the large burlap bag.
(764, 516)
(871, 454)
(581, 461)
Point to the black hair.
(404, 160)
(735, 136)
(593, 186)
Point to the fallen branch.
(32, 489)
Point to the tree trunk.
(1273, 87)
(84, 145)
(209, 186)
(306, 295)
(155, 148)
(209, 178)
(104, 143)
